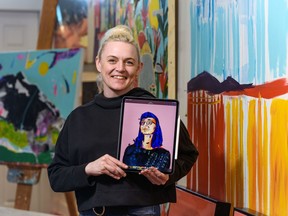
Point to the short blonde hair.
(118, 33)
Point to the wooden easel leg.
(25, 177)
(23, 196)
(71, 204)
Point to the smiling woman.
(118, 69)
(86, 150)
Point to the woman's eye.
(111, 61)
(130, 63)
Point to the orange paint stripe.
(191, 176)
(217, 154)
(228, 163)
(203, 147)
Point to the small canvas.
(148, 133)
(38, 89)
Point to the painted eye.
(147, 122)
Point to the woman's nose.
(120, 66)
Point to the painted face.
(148, 126)
(119, 66)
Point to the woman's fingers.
(107, 165)
(116, 161)
(155, 176)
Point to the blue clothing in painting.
(143, 158)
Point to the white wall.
(24, 5)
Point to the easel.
(28, 175)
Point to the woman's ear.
(98, 64)
(140, 67)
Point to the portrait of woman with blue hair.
(147, 150)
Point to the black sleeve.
(62, 175)
(187, 156)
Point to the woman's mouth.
(119, 77)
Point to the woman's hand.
(107, 165)
(155, 176)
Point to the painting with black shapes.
(38, 89)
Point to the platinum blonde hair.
(118, 33)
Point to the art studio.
(189, 110)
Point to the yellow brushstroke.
(235, 154)
(267, 155)
(263, 207)
(234, 149)
(259, 152)
(29, 63)
(240, 173)
(43, 68)
(251, 142)
(146, 48)
(153, 10)
(74, 78)
(279, 157)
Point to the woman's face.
(147, 125)
(119, 66)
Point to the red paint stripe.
(268, 90)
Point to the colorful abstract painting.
(238, 102)
(149, 22)
(38, 89)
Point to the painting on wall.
(238, 102)
(38, 89)
(156, 38)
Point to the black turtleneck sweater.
(91, 131)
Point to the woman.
(86, 149)
(147, 150)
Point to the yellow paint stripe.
(279, 157)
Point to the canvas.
(156, 38)
(238, 94)
(38, 89)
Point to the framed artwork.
(153, 25)
(38, 89)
